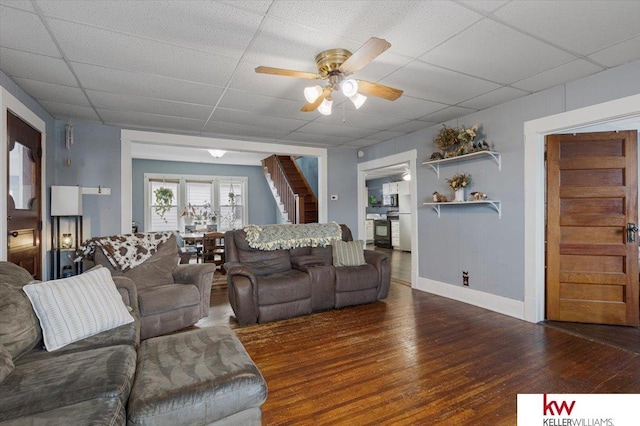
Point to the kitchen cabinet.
(390, 188)
(395, 234)
(369, 228)
(403, 187)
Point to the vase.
(458, 195)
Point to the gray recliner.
(170, 296)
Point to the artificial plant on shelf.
(457, 141)
(458, 183)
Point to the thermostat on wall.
(334, 197)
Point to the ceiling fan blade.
(367, 53)
(312, 106)
(374, 89)
(286, 73)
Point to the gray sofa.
(112, 378)
(271, 285)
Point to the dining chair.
(213, 249)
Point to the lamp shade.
(325, 106)
(311, 93)
(358, 100)
(66, 201)
(349, 87)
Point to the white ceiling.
(188, 66)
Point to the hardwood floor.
(417, 358)
(400, 263)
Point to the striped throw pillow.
(72, 309)
(348, 253)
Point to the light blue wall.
(262, 207)
(342, 181)
(94, 162)
(309, 168)
(473, 238)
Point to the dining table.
(192, 245)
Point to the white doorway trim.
(127, 137)
(10, 102)
(410, 157)
(534, 187)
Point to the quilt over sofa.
(269, 283)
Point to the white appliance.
(404, 217)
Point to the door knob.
(13, 234)
(632, 229)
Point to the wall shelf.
(495, 204)
(435, 164)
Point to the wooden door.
(592, 195)
(24, 222)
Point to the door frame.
(534, 187)
(411, 157)
(8, 101)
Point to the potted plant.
(164, 201)
(458, 183)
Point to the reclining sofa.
(111, 378)
(269, 285)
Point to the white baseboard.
(499, 304)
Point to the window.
(160, 218)
(197, 194)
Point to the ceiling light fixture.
(358, 100)
(406, 176)
(311, 93)
(349, 87)
(325, 106)
(217, 153)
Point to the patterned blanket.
(124, 251)
(275, 237)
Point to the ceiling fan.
(335, 65)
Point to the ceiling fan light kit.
(325, 107)
(336, 65)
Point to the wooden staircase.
(295, 199)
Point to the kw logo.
(550, 406)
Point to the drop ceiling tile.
(139, 84)
(18, 4)
(582, 27)
(447, 114)
(262, 104)
(384, 136)
(85, 44)
(423, 81)
(253, 119)
(349, 116)
(12, 25)
(412, 126)
(621, 53)
(403, 107)
(559, 75)
(512, 56)
(242, 131)
(53, 92)
(259, 6)
(114, 101)
(19, 64)
(495, 97)
(315, 139)
(208, 26)
(411, 27)
(335, 130)
(63, 111)
(289, 46)
(246, 79)
(485, 5)
(136, 120)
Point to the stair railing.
(289, 198)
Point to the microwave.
(390, 200)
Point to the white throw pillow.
(348, 253)
(72, 309)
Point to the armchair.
(170, 296)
